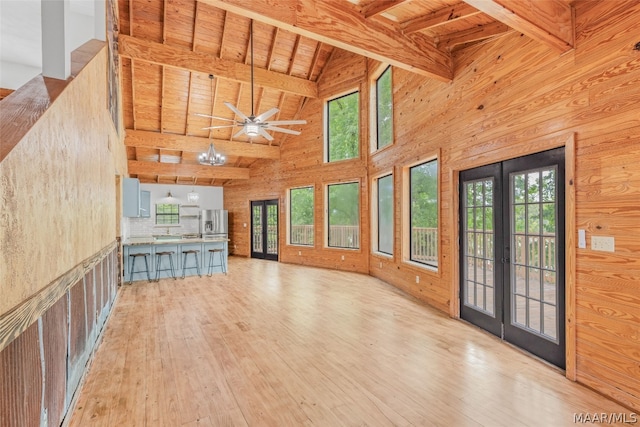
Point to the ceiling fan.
(251, 124)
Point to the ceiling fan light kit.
(253, 125)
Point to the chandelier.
(211, 158)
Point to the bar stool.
(159, 256)
(184, 261)
(133, 258)
(212, 253)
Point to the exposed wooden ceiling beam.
(158, 53)
(137, 167)
(318, 20)
(473, 34)
(196, 144)
(378, 7)
(550, 22)
(439, 17)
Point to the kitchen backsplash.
(144, 227)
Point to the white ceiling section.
(21, 37)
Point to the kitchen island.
(154, 245)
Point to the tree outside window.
(343, 133)
(344, 215)
(424, 213)
(167, 213)
(301, 216)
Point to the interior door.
(264, 229)
(512, 257)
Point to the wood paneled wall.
(58, 264)
(509, 98)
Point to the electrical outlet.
(417, 279)
(299, 253)
(342, 257)
(603, 243)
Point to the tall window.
(301, 216)
(343, 207)
(384, 212)
(167, 213)
(384, 110)
(423, 188)
(343, 127)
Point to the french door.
(264, 229)
(512, 252)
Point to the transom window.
(301, 216)
(343, 128)
(343, 207)
(167, 213)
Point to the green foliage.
(344, 206)
(167, 213)
(384, 110)
(424, 195)
(302, 206)
(344, 127)
(385, 214)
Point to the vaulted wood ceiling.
(170, 48)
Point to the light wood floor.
(280, 345)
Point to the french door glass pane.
(272, 229)
(478, 245)
(533, 251)
(257, 228)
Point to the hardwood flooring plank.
(274, 344)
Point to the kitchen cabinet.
(145, 204)
(135, 203)
(131, 197)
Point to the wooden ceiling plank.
(473, 34)
(318, 20)
(185, 170)
(439, 17)
(273, 47)
(224, 34)
(314, 61)
(379, 7)
(550, 22)
(196, 15)
(195, 144)
(176, 57)
(293, 54)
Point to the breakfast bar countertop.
(166, 240)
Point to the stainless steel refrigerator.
(214, 223)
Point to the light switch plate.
(582, 239)
(603, 243)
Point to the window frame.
(406, 216)
(373, 126)
(375, 214)
(175, 214)
(328, 217)
(289, 225)
(326, 125)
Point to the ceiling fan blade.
(283, 130)
(235, 110)
(214, 117)
(264, 116)
(287, 122)
(220, 127)
(265, 134)
(240, 132)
